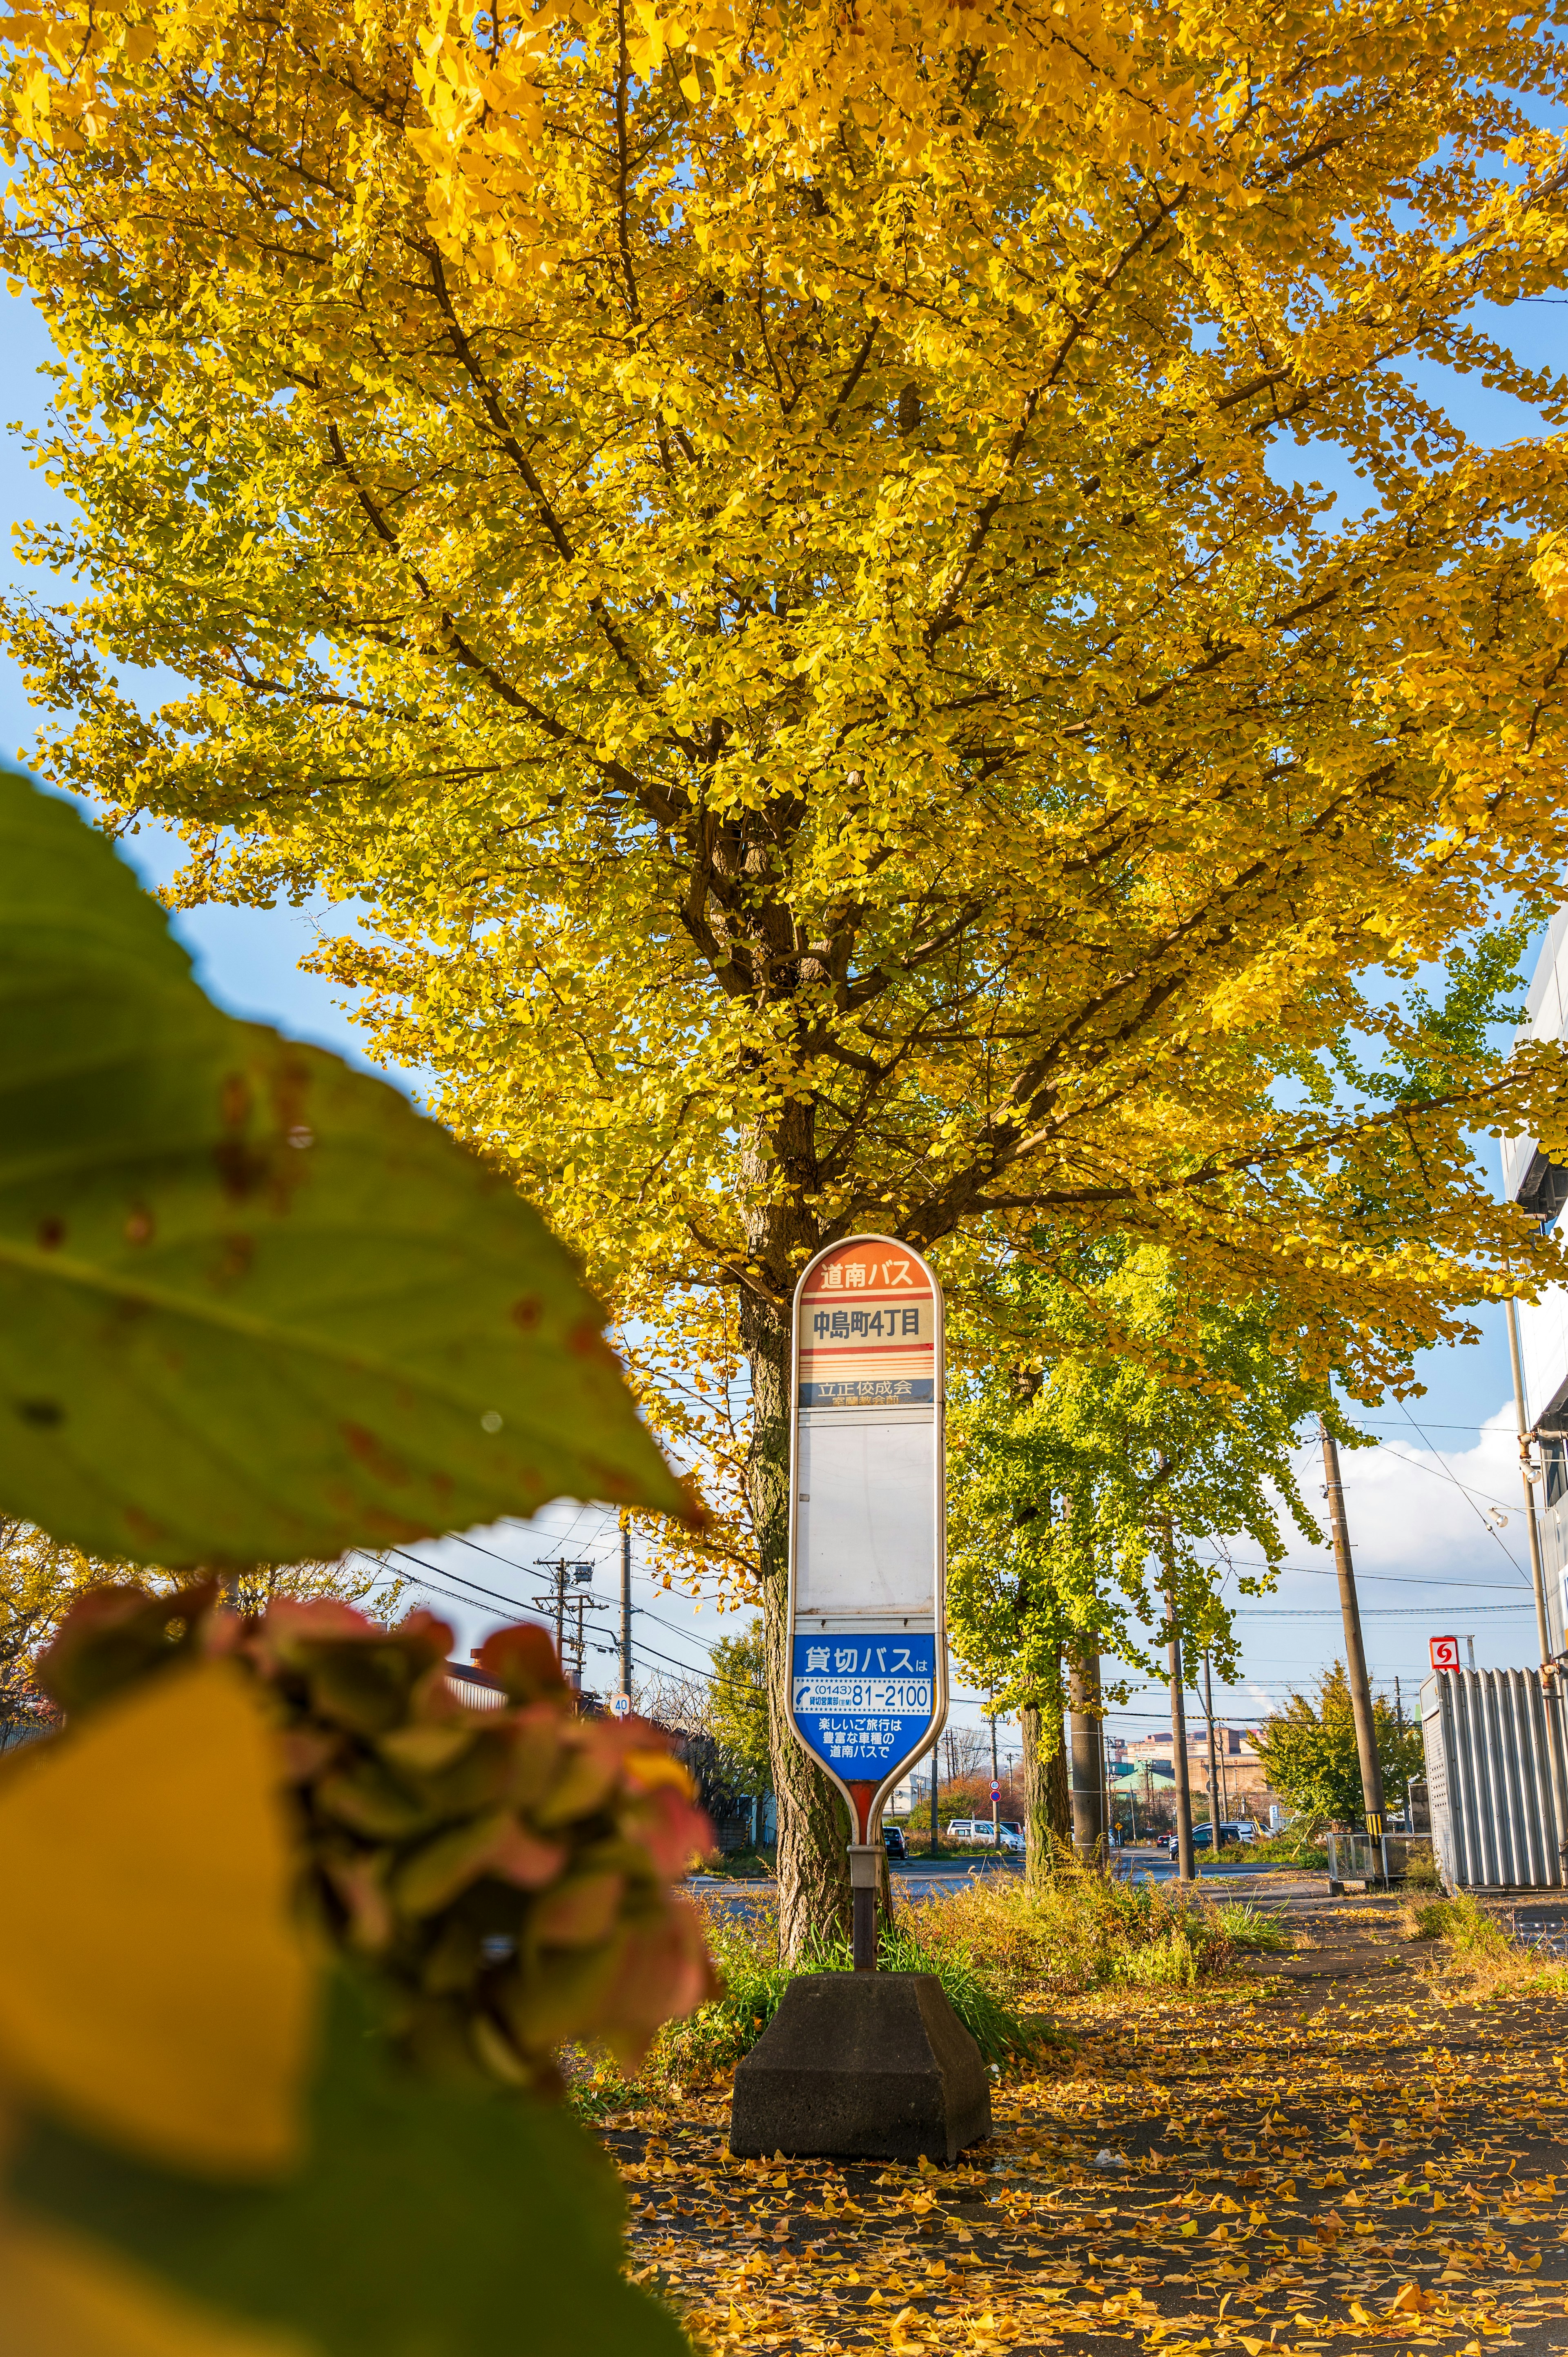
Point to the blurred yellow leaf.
(66, 2297)
(152, 1985)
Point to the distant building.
(475, 1687)
(1245, 1782)
(1532, 1180)
(1230, 1743)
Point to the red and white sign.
(867, 1328)
(1444, 1653)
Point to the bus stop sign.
(868, 1683)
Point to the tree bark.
(1047, 1820)
(813, 1830)
(1088, 1762)
(1058, 1789)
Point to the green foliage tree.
(1308, 1751)
(1092, 1494)
(738, 1705)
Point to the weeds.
(1281, 1849)
(1462, 1924)
(1002, 1952)
(1421, 1867)
(1251, 1932)
(1080, 1931)
(1476, 1956)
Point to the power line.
(1389, 1578)
(1371, 1612)
(1471, 1501)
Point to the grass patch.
(1462, 1924)
(1280, 1849)
(1003, 1950)
(1477, 1957)
(1080, 1931)
(735, 1866)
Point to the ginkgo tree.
(1115, 1441)
(764, 553)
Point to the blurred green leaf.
(427, 2222)
(253, 1305)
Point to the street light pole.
(995, 1780)
(1355, 1651)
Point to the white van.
(979, 1829)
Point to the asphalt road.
(920, 1878)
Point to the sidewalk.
(1326, 2156)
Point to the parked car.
(894, 1841)
(981, 1830)
(1243, 1831)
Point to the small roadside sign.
(1444, 1653)
(996, 1791)
(621, 1705)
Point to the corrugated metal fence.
(1495, 1762)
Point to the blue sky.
(1420, 1502)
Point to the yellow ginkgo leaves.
(152, 1987)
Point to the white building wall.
(1545, 1017)
(1543, 1347)
(1544, 1324)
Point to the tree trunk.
(813, 1830)
(1047, 1821)
(1088, 1762)
(1059, 1790)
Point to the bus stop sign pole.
(868, 1683)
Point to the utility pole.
(936, 1748)
(1185, 1863)
(1214, 1797)
(582, 1572)
(1537, 1575)
(1354, 1653)
(582, 1650)
(626, 1608)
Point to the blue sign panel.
(864, 1704)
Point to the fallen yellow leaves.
(1026, 2251)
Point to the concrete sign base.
(862, 2066)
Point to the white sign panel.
(868, 1638)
